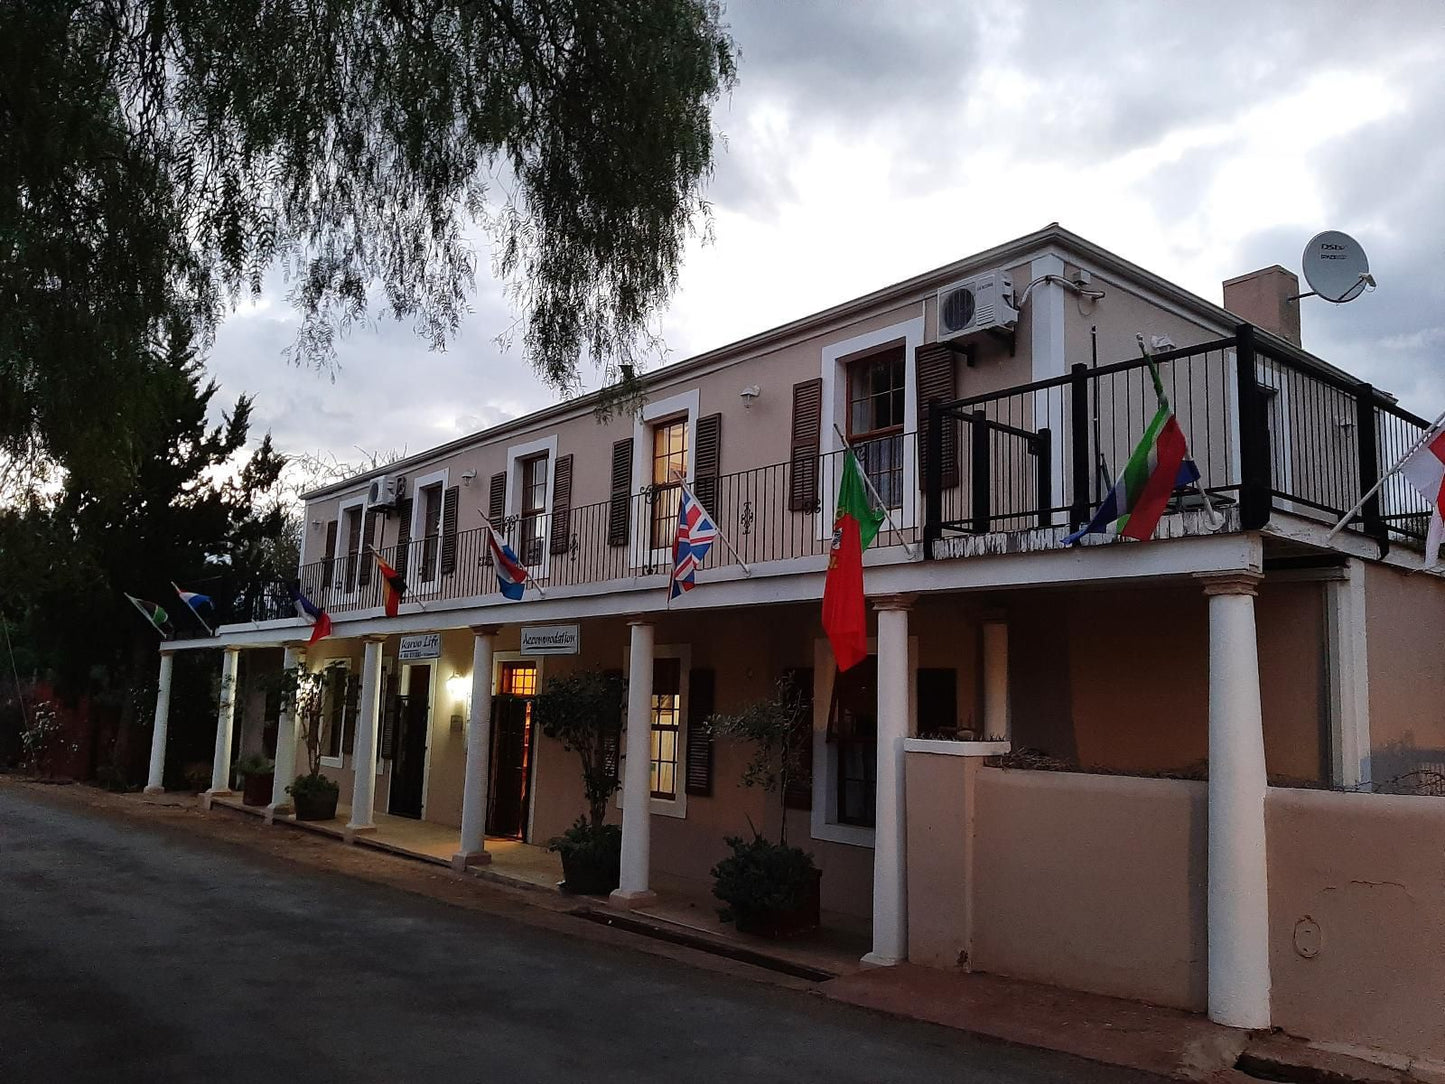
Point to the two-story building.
(1203, 692)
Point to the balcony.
(1267, 430)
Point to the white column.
(890, 858)
(225, 716)
(1349, 676)
(1238, 908)
(154, 781)
(632, 889)
(995, 679)
(293, 658)
(473, 849)
(363, 754)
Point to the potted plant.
(258, 774)
(313, 795)
(583, 710)
(769, 888)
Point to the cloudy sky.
(865, 143)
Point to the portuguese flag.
(854, 528)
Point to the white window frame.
(339, 761)
(516, 455)
(682, 404)
(540, 662)
(824, 815)
(418, 521)
(836, 357)
(338, 566)
(664, 807)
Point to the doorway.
(509, 794)
(408, 763)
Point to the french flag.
(511, 575)
(1425, 470)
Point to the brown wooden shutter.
(450, 500)
(937, 379)
(368, 539)
(496, 508)
(807, 427)
(328, 570)
(701, 686)
(353, 703)
(403, 538)
(620, 509)
(392, 703)
(612, 740)
(799, 792)
(707, 461)
(561, 505)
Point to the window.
(876, 394)
(669, 467)
(534, 508)
(666, 720)
(431, 503)
(518, 679)
(334, 715)
(353, 544)
(853, 728)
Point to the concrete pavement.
(129, 953)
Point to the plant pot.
(591, 871)
(315, 805)
(257, 789)
(784, 922)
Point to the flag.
(511, 574)
(395, 585)
(1425, 470)
(193, 599)
(696, 532)
(308, 610)
(1158, 466)
(854, 528)
(154, 614)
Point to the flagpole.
(738, 557)
(1434, 426)
(530, 578)
(873, 492)
(210, 631)
(149, 619)
(416, 601)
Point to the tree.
(771, 726)
(583, 710)
(157, 158)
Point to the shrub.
(255, 765)
(307, 785)
(760, 877)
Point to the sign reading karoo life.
(551, 639)
(423, 645)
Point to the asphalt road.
(128, 953)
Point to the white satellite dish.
(1335, 267)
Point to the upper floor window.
(666, 725)
(431, 503)
(669, 467)
(351, 520)
(876, 392)
(534, 508)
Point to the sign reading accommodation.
(424, 645)
(551, 639)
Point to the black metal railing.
(1266, 429)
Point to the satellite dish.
(1335, 267)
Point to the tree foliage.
(158, 156)
(771, 726)
(583, 710)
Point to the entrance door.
(408, 765)
(508, 796)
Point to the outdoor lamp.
(459, 687)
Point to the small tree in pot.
(769, 888)
(583, 711)
(313, 794)
(257, 775)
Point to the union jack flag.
(696, 532)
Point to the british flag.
(696, 532)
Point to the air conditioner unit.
(982, 303)
(385, 490)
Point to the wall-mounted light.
(316, 525)
(459, 687)
(748, 394)
(468, 476)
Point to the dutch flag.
(511, 575)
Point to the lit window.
(666, 720)
(534, 508)
(518, 679)
(669, 465)
(875, 420)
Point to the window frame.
(866, 441)
(675, 727)
(663, 807)
(344, 665)
(640, 550)
(341, 584)
(518, 455)
(659, 538)
(439, 479)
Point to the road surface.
(131, 953)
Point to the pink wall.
(1091, 882)
(1405, 629)
(1358, 880)
(938, 790)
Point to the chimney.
(1262, 299)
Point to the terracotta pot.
(257, 789)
